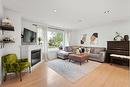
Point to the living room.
(75, 43)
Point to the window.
(55, 39)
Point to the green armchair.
(11, 64)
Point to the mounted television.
(29, 36)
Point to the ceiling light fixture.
(107, 12)
(54, 10)
(80, 20)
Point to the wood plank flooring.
(104, 76)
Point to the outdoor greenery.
(56, 40)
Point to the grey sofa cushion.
(63, 54)
(68, 49)
(94, 55)
(96, 50)
(97, 53)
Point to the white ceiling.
(72, 14)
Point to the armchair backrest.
(9, 58)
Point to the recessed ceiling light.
(80, 20)
(107, 12)
(54, 10)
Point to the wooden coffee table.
(79, 57)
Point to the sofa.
(64, 53)
(95, 53)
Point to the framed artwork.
(89, 39)
(94, 38)
(83, 38)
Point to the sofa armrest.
(102, 56)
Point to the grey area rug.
(72, 71)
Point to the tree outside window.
(55, 39)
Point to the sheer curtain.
(42, 33)
(45, 45)
(66, 38)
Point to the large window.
(55, 39)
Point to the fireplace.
(35, 56)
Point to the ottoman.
(78, 57)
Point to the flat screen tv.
(29, 36)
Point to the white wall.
(28, 24)
(1, 53)
(1, 9)
(105, 33)
(1, 50)
(16, 34)
(52, 53)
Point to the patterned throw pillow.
(88, 50)
(68, 49)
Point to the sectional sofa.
(95, 53)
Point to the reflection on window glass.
(55, 39)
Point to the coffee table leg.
(80, 63)
(69, 60)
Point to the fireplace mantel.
(26, 52)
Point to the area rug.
(72, 71)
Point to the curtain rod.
(55, 28)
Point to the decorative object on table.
(77, 51)
(83, 38)
(126, 37)
(118, 37)
(81, 50)
(93, 38)
(7, 39)
(6, 22)
(39, 40)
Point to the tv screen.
(29, 36)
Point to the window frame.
(55, 30)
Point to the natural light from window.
(55, 39)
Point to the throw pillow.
(88, 50)
(92, 50)
(77, 51)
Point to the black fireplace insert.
(35, 56)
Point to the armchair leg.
(5, 77)
(29, 69)
(20, 75)
(16, 74)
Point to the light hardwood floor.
(103, 76)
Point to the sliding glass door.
(55, 40)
